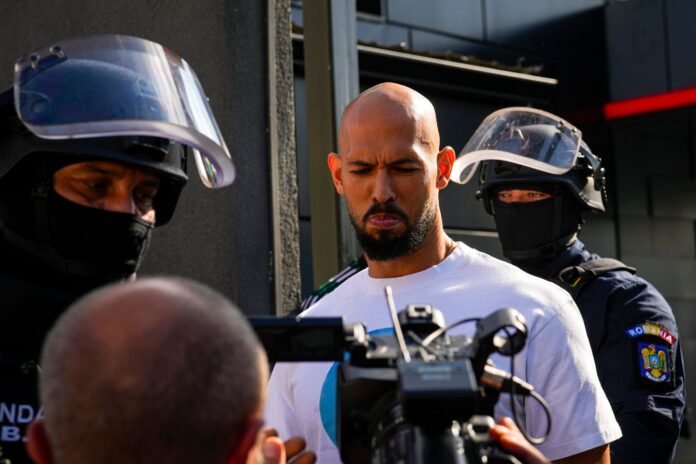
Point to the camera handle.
(488, 338)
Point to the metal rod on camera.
(395, 322)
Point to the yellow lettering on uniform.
(652, 329)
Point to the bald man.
(154, 371)
(390, 168)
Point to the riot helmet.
(550, 148)
(166, 158)
(111, 85)
(100, 98)
(529, 149)
(585, 180)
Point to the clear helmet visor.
(524, 136)
(113, 85)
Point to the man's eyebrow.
(89, 170)
(396, 162)
(150, 181)
(359, 163)
(405, 160)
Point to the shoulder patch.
(651, 329)
(654, 361)
(653, 353)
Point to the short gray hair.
(123, 381)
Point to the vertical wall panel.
(681, 38)
(644, 149)
(637, 48)
(457, 17)
(301, 144)
(673, 198)
(383, 34)
(546, 25)
(599, 234)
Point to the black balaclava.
(53, 251)
(89, 244)
(534, 233)
(95, 241)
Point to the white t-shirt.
(557, 359)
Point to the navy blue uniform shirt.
(33, 297)
(635, 342)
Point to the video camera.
(418, 396)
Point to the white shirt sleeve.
(560, 366)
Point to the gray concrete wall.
(650, 46)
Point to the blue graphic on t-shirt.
(327, 398)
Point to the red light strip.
(650, 104)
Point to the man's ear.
(246, 448)
(445, 161)
(335, 162)
(38, 447)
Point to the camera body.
(424, 405)
(429, 409)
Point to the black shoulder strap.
(577, 276)
(355, 266)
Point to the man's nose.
(383, 190)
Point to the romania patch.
(651, 329)
(653, 354)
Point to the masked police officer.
(537, 177)
(95, 136)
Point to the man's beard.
(386, 245)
